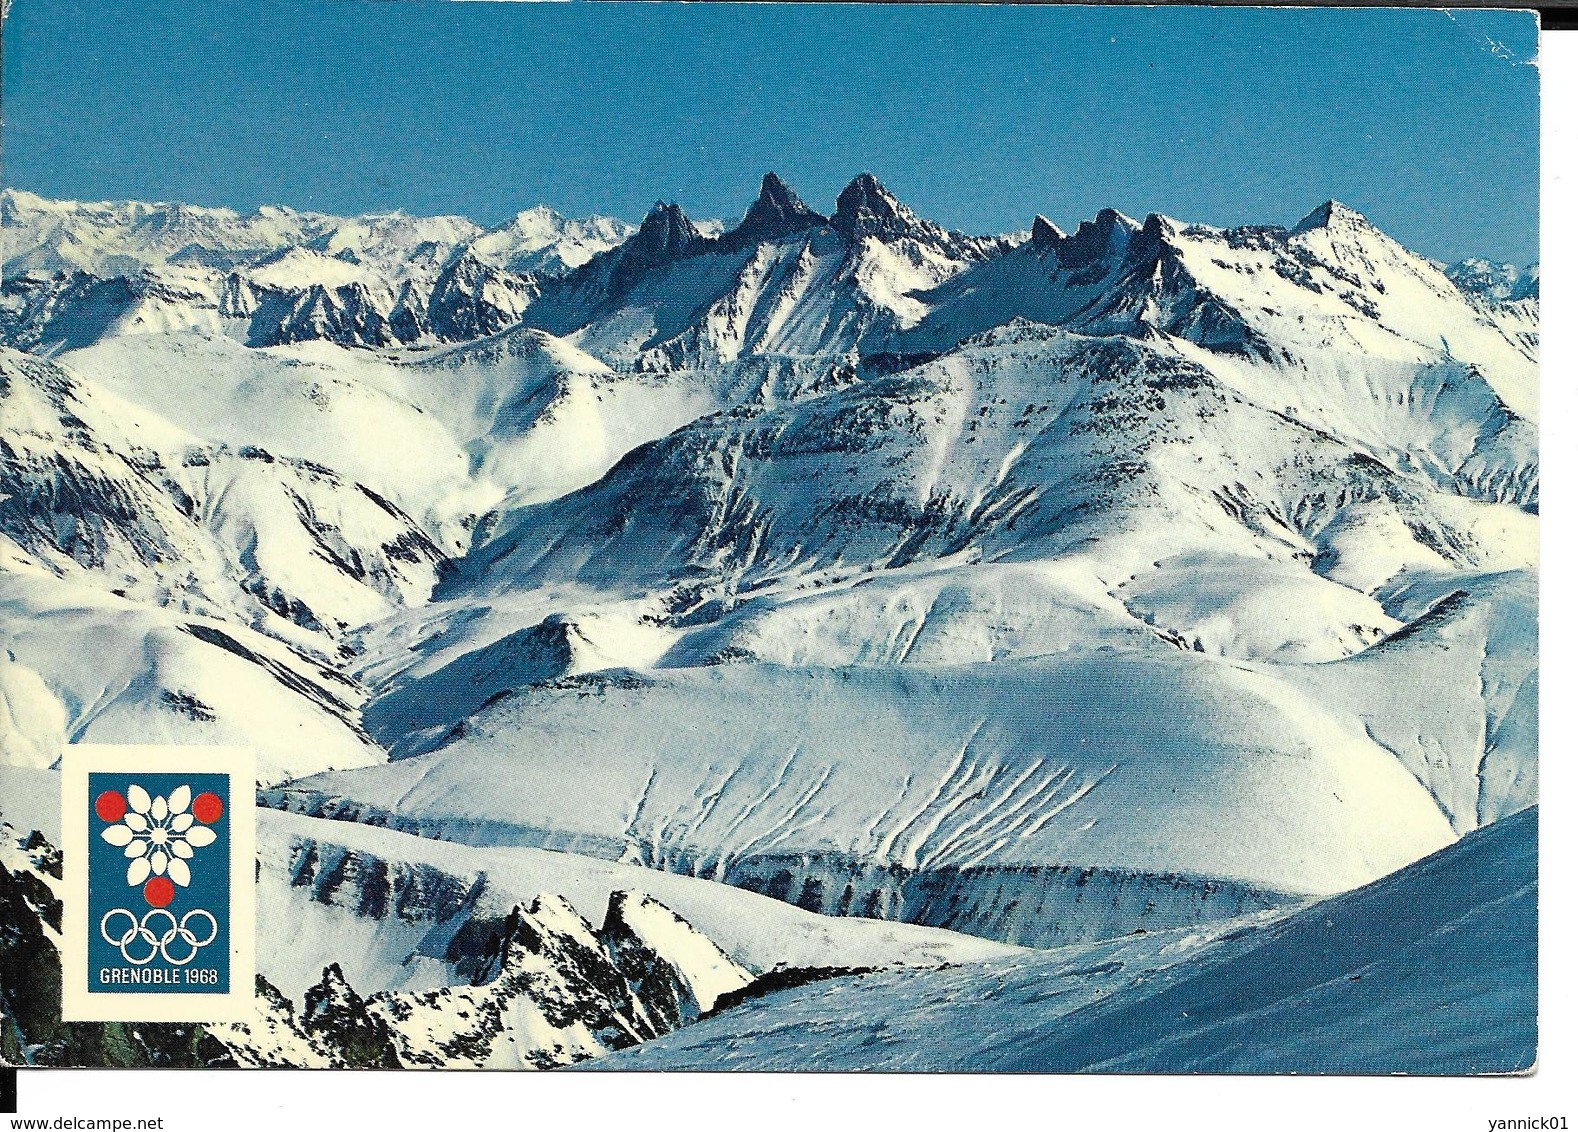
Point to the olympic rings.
(133, 932)
(189, 939)
(139, 932)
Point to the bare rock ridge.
(665, 235)
(550, 991)
(1045, 234)
(866, 208)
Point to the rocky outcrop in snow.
(546, 990)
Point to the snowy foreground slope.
(860, 592)
(1429, 970)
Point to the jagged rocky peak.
(335, 1015)
(471, 299)
(350, 315)
(546, 990)
(331, 997)
(665, 233)
(409, 321)
(1155, 236)
(238, 298)
(674, 969)
(776, 212)
(866, 208)
(1157, 226)
(1044, 234)
(778, 199)
(1103, 239)
(513, 939)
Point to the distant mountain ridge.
(276, 274)
(71, 269)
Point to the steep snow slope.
(1332, 325)
(359, 414)
(1455, 693)
(116, 496)
(446, 434)
(1430, 970)
(1119, 459)
(867, 777)
(540, 417)
(81, 665)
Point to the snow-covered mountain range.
(1045, 587)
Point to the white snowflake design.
(158, 834)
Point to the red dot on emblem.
(158, 891)
(207, 807)
(110, 806)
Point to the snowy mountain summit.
(1046, 587)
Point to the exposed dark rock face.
(338, 1017)
(776, 212)
(666, 235)
(866, 208)
(782, 978)
(547, 990)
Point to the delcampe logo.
(159, 858)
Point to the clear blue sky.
(979, 117)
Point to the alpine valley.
(875, 645)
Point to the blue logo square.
(159, 850)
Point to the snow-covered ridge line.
(103, 238)
(76, 272)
